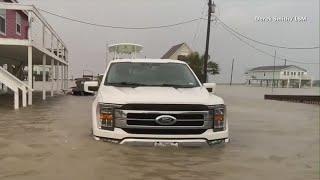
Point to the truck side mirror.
(211, 87)
(91, 86)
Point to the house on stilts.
(289, 76)
(27, 40)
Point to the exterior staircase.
(15, 85)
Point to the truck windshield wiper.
(126, 84)
(131, 84)
(177, 86)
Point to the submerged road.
(269, 140)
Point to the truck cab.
(157, 102)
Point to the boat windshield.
(127, 74)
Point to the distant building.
(177, 52)
(278, 76)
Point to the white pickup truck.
(157, 102)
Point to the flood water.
(269, 140)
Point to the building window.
(18, 23)
(291, 73)
(264, 74)
(294, 73)
(298, 73)
(302, 73)
(2, 21)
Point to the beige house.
(279, 76)
(178, 52)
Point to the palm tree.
(196, 62)
(213, 68)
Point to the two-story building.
(27, 40)
(279, 76)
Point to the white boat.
(124, 50)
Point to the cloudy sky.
(87, 44)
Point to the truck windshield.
(126, 74)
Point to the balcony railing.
(306, 77)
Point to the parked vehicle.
(81, 88)
(157, 102)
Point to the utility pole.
(231, 72)
(211, 9)
(274, 68)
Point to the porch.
(282, 83)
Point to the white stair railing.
(15, 84)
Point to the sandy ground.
(269, 140)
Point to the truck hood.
(157, 95)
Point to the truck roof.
(148, 61)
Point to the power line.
(120, 27)
(226, 27)
(265, 52)
(262, 51)
(198, 26)
(263, 43)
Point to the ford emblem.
(166, 120)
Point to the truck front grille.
(144, 121)
(153, 123)
(155, 115)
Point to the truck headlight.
(105, 116)
(218, 115)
